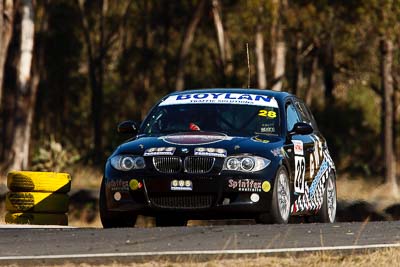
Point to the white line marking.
(198, 252)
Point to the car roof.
(278, 95)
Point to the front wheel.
(113, 219)
(280, 206)
(327, 213)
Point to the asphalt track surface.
(18, 244)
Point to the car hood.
(185, 143)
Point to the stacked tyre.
(37, 198)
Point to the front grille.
(198, 165)
(167, 164)
(178, 201)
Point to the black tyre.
(327, 213)
(280, 204)
(113, 219)
(165, 221)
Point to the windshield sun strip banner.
(221, 98)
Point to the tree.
(223, 41)
(386, 51)
(26, 91)
(279, 47)
(98, 41)
(186, 43)
(6, 28)
(260, 65)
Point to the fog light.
(133, 184)
(254, 197)
(117, 196)
(266, 186)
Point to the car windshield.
(232, 119)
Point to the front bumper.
(201, 196)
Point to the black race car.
(220, 153)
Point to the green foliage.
(52, 156)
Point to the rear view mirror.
(302, 128)
(128, 127)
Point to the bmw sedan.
(220, 154)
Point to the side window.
(292, 116)
(302, 112)
(313, 121)
(306, 114)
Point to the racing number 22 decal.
(300, 170)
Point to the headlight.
(127, 162)
(245, 163)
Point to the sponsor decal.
(278, 152)
(181, 185)
(298, 147)
(118, 185)
(210, 152)
(245, 185)
(159, 151)
(312, 167)
(266, 186)
(300, 170)
(267, 129)
(195, 138)
(267, 113)
(135, 184)
(221, 98)
(322, 170)
(258, 139)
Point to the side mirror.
(302, 128)
(128, 127)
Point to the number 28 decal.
(300, 170)
(265, 113)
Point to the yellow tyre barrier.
(36, 218)
(36, 202)
(26, 181)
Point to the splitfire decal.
(118, 185)
(245, 185)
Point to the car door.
(299, 148)
(316, 155)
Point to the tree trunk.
(297, 65)
(223, 41)
(328, 69)
(261, 73)
(187, 42)
(278, 46)
(312, 80)
(279, 68)
(96, 73)
(274, 31)
(26, 91)
(219, 28)
(386, 49)
(6, 28)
